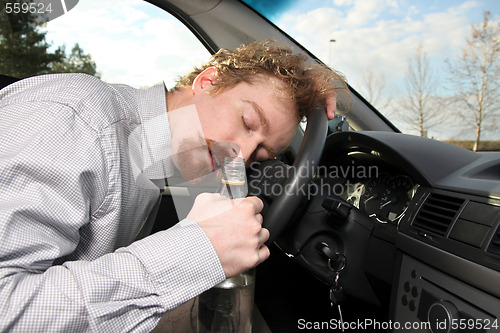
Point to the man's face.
(255, 121)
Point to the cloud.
(343, 2)
(380, 35)
(313, 21)
(364, 11)
(137, 44)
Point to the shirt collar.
(154, 135)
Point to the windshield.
(420, 63)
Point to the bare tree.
(421, 108)
(476, 77)
(374, 90)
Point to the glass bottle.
(228, 307)
(234, 178)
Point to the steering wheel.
(283, 207)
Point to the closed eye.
(261, 117)
(246, 124)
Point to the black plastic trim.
(209, 44)
(474, 274)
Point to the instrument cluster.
(385, 198)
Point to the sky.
(382, 34)
(139, 45)
(134, 43)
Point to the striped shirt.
(73, 198)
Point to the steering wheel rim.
(283, 207)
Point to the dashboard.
(415, 218)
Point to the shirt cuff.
(181, 262)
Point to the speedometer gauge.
(386, 198)
(396, 198)
(373, 194)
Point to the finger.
(259, 205)
(264, 253)
(210, 197)
(219, 197)
(263, 236)
(259, 218)
(331, 105)
(255, 202)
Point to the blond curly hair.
(307, 83)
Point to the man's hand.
(329, 95)
(235, 229)
(331, 104)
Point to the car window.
(404, 58)
(131, 42)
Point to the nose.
(247, 150)
(228, 148)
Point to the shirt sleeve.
(50, 170)
(133, 287)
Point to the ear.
(205, 80)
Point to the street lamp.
(330, 42)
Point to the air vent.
(495, 243)
(437, 213)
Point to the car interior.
(418, 234)
(408, 227)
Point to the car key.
(336, 297)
